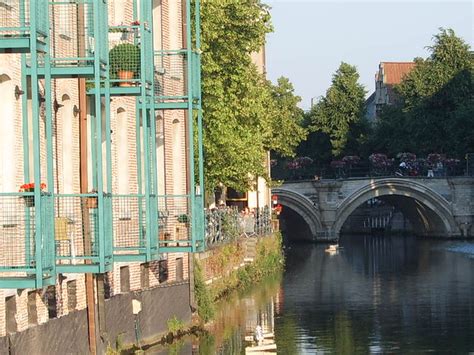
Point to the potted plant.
(124, 63)
(30, 187)
(183, 218)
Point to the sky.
(312, 37)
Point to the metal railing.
(15, 17)
(27, 248)
(170, 75)
(76, 229)
(175, 222)
(365, 171)
(224, 225)
(74, 41)
(129, 224)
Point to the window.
(145, 276)
(10, 311)
(179, 269)
(124, 279)
(163, 271)
(51, 302)
(32, 311)
(71, 295)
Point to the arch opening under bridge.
(427, 211)
(299, 214)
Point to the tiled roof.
(393, 72)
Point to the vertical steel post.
(199, 118)
(26, 154)
(36, 145)
(98, 142)
(190, 122)
(49, 237)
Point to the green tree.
(340, 113)
(284, 130)
(239, 105)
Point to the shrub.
(124, 57)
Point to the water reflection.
(378, 295)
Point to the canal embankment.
(234, 266)
(222, 269)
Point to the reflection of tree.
(237, 314)
(285, 335)
(343, 334)
(207, 344)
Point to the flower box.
(30, 187)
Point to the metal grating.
(76, 228)
(174, 219)
(129, 223)
(15, 17)
(170, 75)
(124, 55)
(17, 231)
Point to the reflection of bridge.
(435, 207)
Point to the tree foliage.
(340, 113)
(239, 105)
(284, 129)
(437, 103)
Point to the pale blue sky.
(312, 37)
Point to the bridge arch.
(301, 205)
(427, 210)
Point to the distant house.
(388, 75)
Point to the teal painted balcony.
(23, 25)
(176, 79)
(26, 235)
(168, 225)
(130, 61)
(78, 37)
(78, 40)
(81, 242)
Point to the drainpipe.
(89, 277)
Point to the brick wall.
(54, 301)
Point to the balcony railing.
(27, 249)
(77, 40)
(129, 224)
(76, 229)
(175, 223)
(170, 75)
(225, 225)
(16, 18)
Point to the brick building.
(121, 199)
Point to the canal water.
(378, 294)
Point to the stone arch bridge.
(441, 207)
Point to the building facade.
(388, 75)
(100, 109)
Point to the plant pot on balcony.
(126, 78)
(125, 62)
(165, 236)
(29, 201)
